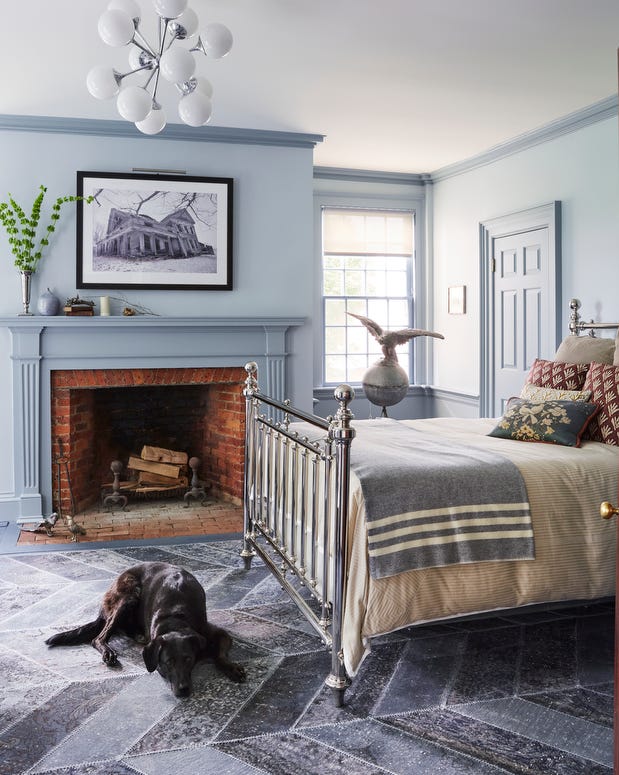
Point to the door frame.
(543, 216)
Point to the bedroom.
(573, 161)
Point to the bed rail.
(296, 497)
(577, 324)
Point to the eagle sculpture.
(389, 340)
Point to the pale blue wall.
(272, 235)
(581, 169)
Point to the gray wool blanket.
(430, 504)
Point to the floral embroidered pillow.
(550, 422)
(536, 393)
(557, 375)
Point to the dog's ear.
(201, 643)
(150, 654)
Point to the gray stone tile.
(202, 760)
(576, 736)
(293, 754)
(491, 744)
(395, 751)
(122, 720)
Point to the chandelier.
(119, 26)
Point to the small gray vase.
(48, 304)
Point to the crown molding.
(205, 134)
(370, 176)
(592, 114)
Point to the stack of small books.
(79, 308)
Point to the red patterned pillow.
(603, 382)
(558, 375)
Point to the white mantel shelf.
(40, 345)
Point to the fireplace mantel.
(40, 345)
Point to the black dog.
(163, 606)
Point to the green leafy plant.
(22, 229)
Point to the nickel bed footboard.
(297, 487)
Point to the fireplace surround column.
(26, 360)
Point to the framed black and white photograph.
(152, 231)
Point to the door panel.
(522, 328)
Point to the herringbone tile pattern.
(511, 693)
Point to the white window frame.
(413, 201)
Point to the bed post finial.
(251, 382)
(574, 325)
(344, 394)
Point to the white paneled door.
(520, 272)
(521, 289)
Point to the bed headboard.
(577, 325)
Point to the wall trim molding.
(572, 122)
(113, 128)
(371, 176)
(455, 396)
(592, 114)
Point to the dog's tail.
(82, 634)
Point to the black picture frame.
(154, 232)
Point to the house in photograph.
(130, 235)
(440, 179)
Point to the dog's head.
(174, 655)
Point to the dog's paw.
(237, 673)
(110, 658)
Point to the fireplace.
(81, 356)
(98, 416)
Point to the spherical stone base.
(385, 384)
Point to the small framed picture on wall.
(456, 299)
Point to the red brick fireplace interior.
(102, 415)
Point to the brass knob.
(607, 510)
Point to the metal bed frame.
(577, 324)
(302, 539)
(296, 499)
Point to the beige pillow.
(616, 361)
(536, 393)
(586, 349)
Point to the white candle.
(104, 306)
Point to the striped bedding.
(574, 547)
(429, 503)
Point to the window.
(367, 258)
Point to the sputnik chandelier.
(119, 26)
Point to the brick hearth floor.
(155, 519)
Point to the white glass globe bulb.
(170, 9)
(134, 103)
(195, 108)
(217, 40)
(205, 86)
(103, 82)
(116, 27)
(130, 7)
(185, 25)
(177, 65)
(153, 123)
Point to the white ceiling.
(395, 85)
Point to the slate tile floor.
(513, 693)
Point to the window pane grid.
(374, 282)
